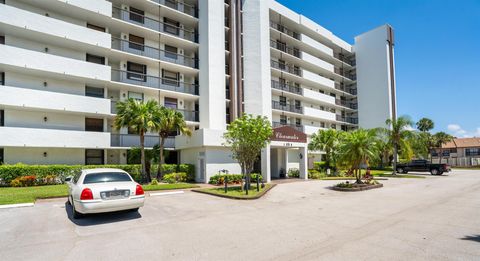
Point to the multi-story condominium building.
(64, 65)
(462, 152)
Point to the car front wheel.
(434, 171)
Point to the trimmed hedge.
(11, 172)
(219, 179)
(175, 177)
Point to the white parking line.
(17, 205)
(166, 193)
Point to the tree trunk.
(142, 157)
(395, 156)
(160, 159)
(243, 174)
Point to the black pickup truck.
(423, 166)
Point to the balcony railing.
(133, 140)
(151, 52)
(350, 120)
(153, 82)
(286, 68)
(286, 87)
(153, 24)
(284, 30)
(347, 104)
(287, 107)
(189, 115)
(352, 91)
(179, 6)
(295, 126)
(344, 59)
(345, 74)
(285, 48)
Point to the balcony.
(151, 52)
(48, 138)
(309, 130)
(133, 140)
(287, 107)
(285, 48)
(318, 114)
(286, 68)
(281, 124)
(153, 24)
(26, 59)
(346, 74)
(57, 30)
(344, 59)
(316, 45)
(189, 115)
(287, 87)
(345, 119)
(318, 79)
(45, 100)
(179, 6)
(153, 82)
(284, 30)
(347, 104)
(318, 96)
(348, 89)
(314, 61)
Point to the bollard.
(258, 183)
(226, 184)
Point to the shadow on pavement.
(475, 238)
(425, 174)
(101, 218)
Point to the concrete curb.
(22, 205)
(358, 188)
(166, 193)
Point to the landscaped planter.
(218, 192)
(356, 187)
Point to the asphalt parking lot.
(436, 218)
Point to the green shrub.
(344, 185)
(25, 181)
(58, 173)
(154, 182)
(175, 177)
(315, 174)
(293, 173)
(320, 165)
(219, 179)
(253, 177)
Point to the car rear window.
(106, 177)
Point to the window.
(321, 91)
(2, 78)
(94, 92)
(283, 101)
(137, 15)
(1, 156)
(2, 39)
(170, 78)
(2, 118)
(136, 71)
(94, 157)
(171, 52)
(170, 103)
(93, 124)
(95, 59)
(322, 124)
(333, 126)
(472, 152)
(136, 42)
(96, 27)
(171, 26)
(434, 153)
(106, 177)
(283, 119)
(281, 64)
(281, 46)
(135, 95)
(298, 105)
(446, 153)
(298, 122)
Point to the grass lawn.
(30, 194)
(235, 192)
(168, 186)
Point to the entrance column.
(285, 161)
(303, 162)
(265, 162)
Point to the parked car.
(103, 190)
(423, 166)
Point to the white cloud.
(458, 131)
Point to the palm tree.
(439, 139)
(358, 147)
(425, 125)
(327, 141)
(397, 132)
(167, 121)
(384, 149)
(137, 116)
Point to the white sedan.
(103, 190)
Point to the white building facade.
(65, 64)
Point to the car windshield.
(106, 177)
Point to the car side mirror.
(68, 179)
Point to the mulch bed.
(357, 187)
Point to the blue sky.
(437, 52)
